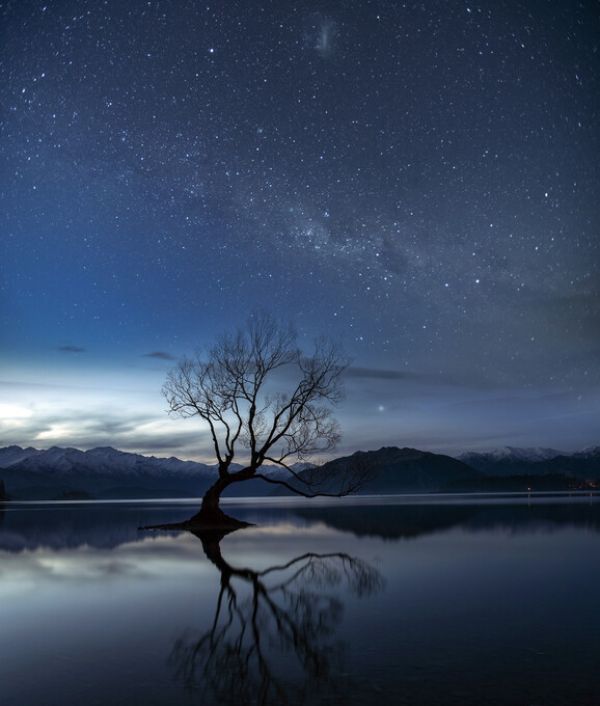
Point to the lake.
(396, 600)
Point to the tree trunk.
(210, 514)
(210, 521)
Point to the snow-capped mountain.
(100, 460)
(105, 472)
(513, 453)
(10, 455)
(511, 461)
(591, 452)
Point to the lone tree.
(256, 390)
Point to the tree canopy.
(263, 399)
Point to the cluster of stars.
(415, 179)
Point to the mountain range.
(71, 474)
(106, 473)
(510, 461)
(389, 470)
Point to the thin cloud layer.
(159, 355)
(382, 408)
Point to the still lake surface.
(397, 600)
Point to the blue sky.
(418, 182)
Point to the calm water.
(393, 601)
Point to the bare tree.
(256, 390)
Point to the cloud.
(92, 427)
(21, 385)
(435, 379)
(130, 416)
(71, 349)
(159, 355)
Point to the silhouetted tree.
(256, 389)
(284, 609)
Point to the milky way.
(418, 180)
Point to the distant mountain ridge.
(105, 472)
(63, 473)
(391, 470)
(406, 470)
(510, 461)
(537, 453)
(102, 459)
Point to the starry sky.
(416, 180)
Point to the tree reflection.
(272, 639)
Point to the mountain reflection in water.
(106, 525)
(389, 601)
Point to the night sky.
(417, 180)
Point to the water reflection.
(414, 520)
(106, 526)
(485, 601)
(285, 609)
